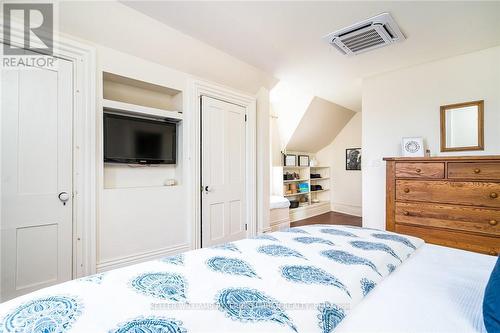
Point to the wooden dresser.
(450, 201)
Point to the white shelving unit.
(297, 194)
(321, 197)
(139, 110)
(324, 181)
(296, 180)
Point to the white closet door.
(223, 171)
(36, 172)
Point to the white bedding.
(438, 289)
(303, 280)
(279, 202)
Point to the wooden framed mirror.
(462, 126)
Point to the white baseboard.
(264, 230)
(283, 226)
(141, 257)
(347, 209)
(301, 213)
(280, 221)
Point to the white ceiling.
(284, 38)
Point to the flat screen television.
(135, 140)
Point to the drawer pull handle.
(407, 190)
(405, 213)
(493, 195)
(477, 170)
(493, 253)
(418, 170)
(493, 222)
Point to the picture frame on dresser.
(449, 201)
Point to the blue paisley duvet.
(303, 279)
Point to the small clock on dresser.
(412, 147)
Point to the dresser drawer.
(420, 170)
(474, 170)
(461, 193)
(456, 239)
(472, 219)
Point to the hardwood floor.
(329, 218)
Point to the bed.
(438, 289)
(316, 278)
(279, 217)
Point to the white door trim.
(83, 58)
(199, 88)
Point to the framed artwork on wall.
(290, 160)
(353, 159)
(303, 160)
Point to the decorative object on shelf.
(413, 147)
(294, 204)
(303, 201)
(315, 175)
(286, 189)
(353, 159)
(290, 160)
(303, 187)
(291, 176)
(427, 153)
(315, 200)
(303, 160)
(316, 188)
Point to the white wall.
(345, 185)
(143, 222)
(139, 218)
(275, 139)
(406, 103)
(263, 158)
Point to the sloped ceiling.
(320, 124)
(117, 26)
(288, 104)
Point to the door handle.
(63, 196)
(208, 189)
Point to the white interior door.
(222, 171)
(36, 172)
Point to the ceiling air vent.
(370, 34)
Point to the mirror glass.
(462, 126)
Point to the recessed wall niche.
(136, 92)
(124, 89)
